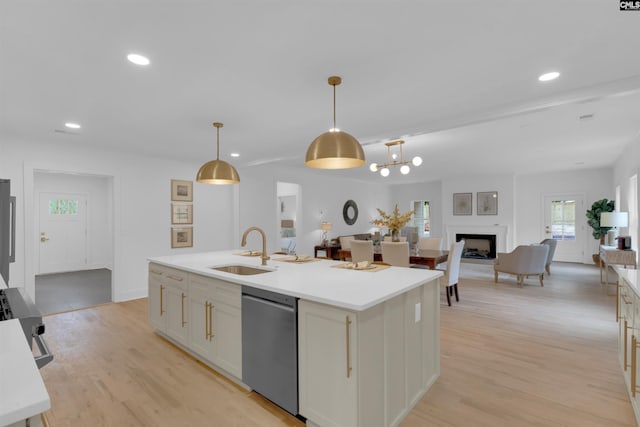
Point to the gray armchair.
(523, 262)
(552, 250)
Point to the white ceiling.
(457, 80)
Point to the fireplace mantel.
(501, 232)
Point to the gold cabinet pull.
(206, 320)
(161, 304)
(211, 321)
(347, 324)
(156, 272)
(184, 322)
(626, 328)
(633, 364)
(178, 279)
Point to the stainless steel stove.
(14, 304)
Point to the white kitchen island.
(368, 342)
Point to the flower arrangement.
(393, 222)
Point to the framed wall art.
(181, 191)
(181, 237)
(462, 203)
(181, 213)
(488, 203)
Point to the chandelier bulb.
(417, 161)
(405, 169)
(384, 172)
(373, 167)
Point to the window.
(422, 217)
(63, 207)
(563, 219)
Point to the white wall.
(322, 196)
(405, 194)
(627, 165)
(595, 184)
(503, 184)
(99, 221)
(141, 207)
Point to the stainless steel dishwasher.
(270, 346)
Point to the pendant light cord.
(217, 143)
(334, 107)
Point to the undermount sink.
(242, 270)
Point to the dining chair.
(452, 273)
(345, 242)
(388, 238)
(395, 253)
(361, 250)
(434, 243)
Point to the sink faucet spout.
(265, 257)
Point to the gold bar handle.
(206, 320)
(184, 322)
(626, 327)
(633, 365)
(211, 321)
(161, 302)
(156, 272)
(178, 279)
(348, 334)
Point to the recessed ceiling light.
(235, 155)
(549, 76)
(138, 59)
(72, 125)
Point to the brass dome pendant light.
(218, 171)
(335, 149)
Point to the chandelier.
(395, 160)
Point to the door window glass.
(563, 219)
(63, 207)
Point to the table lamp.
(613, 220)
(325, 226)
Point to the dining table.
(424, 257)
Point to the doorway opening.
(73, 240)
(288, 195)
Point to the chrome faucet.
(265, 257)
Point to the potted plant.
(593, 216)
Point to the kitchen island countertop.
(314, 281)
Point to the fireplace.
(478, 246)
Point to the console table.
(331, 251)
(611, 255)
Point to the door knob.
(44, 239)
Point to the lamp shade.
(218, 172)
(614, 219)
(325, 226)
(335, 150)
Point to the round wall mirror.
(350, 212)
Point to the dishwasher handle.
(270, 303)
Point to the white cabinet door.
(176, 305)
(156, 299)
(216, 322)
(227, 338)
(328, 375)
(200, 323)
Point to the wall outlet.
(418, 311)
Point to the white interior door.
(564, 222)
(62, 237)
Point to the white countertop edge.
(22, 391)
(630, 276)
(180, 262)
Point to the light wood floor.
(511, 356)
